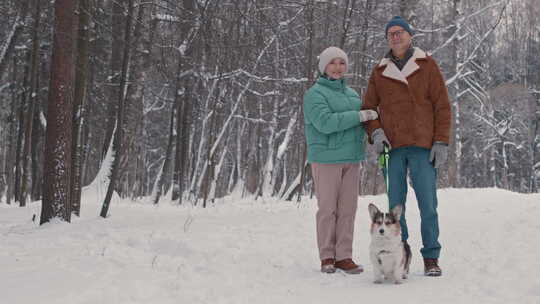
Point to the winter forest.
(195, 99)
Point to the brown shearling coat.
(412, 103)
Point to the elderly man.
(408, 91)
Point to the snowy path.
(263, 252)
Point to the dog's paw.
(378, 281)
(397, 282)
(404, 276)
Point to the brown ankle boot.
(327, 266)
(349, 266)
(431, 268)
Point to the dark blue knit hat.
(397, 20)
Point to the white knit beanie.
(330, 53)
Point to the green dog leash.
(384, 159)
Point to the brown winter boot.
(327, 266)
(431, 268)
(349, 266)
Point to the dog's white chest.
(387, 260)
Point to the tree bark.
(114, 81)
(29, 115)
(309, 73)
(38, 135)
(455, 142)
(134, 106)
(119, 134)
(20, 131)
(10, 155)
(79, 103)
(184, 107)
(166, 163)
(210, 155)
(56, 194)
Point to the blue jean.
(424, 182)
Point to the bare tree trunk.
(10, 155)
(309, 72)
(533, 81)
(119, 134)
(135, 120)
(18, 150)
(455, 142)
(56, 194)
(210, 153)
(4, 154)
(38, 136)
(266, 185)
(182, 138)
(79, 103)
(535, 172)
(115, 89)
(20, 132)
(141, 173)
(184, 105)
(258, 151)
(32, 100)
(134, 107)
(162, 178)
(239, 153)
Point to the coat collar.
(391, 70)
(336, 84)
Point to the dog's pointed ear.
(373, 210)
(396, 211)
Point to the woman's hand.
(366, 115)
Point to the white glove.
(439, 154)
(379, 139)
(366, 115)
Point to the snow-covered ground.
(245, 251)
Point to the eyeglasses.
(395, 34)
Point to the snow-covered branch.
(472, 55)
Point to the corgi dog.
(389, 255)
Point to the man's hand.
(439, 153)
(366, 115)
(379, 139)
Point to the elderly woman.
(335, 141)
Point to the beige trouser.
(336, 188)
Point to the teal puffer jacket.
(333, 130)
